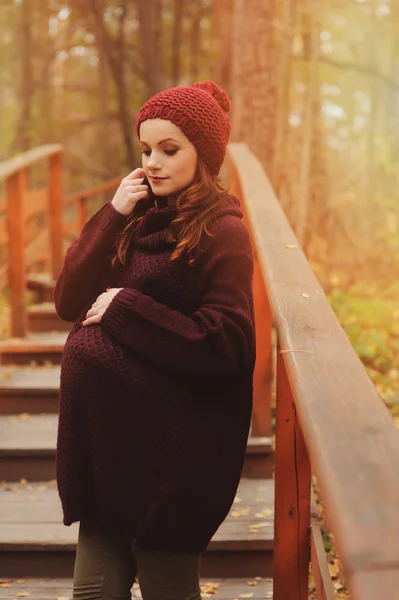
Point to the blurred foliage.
(370, 318)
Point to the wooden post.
(16, 254)
(55, 213)
(81, 212)
(292, 498)
(263, 374)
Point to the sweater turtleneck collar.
(151, 231)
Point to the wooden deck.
(61, 589)
(31, 524)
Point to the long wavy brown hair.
(197, 206)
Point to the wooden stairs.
(33, 542)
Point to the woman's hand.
(129, 192)
(94, 315)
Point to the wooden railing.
(15, 174)
(330, 419)
(23, 242)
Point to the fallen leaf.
(291, 246)
(23, 481)
(23, 594)
(252, 583)
(250, 595)
(269, 595)
(254, 527)
(6, 585)
(24, 416)
(210, 587)
(267, 512)
(305, 295)
(20, 581)
(239, 512)
(63, 598)
(237, 500)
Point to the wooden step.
(259, 459)
(225, 589)
(33, 541)
(38, 348)
(42, 285)
(28, 446)
(43, 318)
(30, 390)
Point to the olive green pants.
(106, 567)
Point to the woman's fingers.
(136, 173)
(92, 320)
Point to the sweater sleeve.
(80, 278)
(218, 339)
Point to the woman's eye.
(171, 151)
(146, 152)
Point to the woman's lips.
(157, 179)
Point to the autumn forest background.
(314, 86)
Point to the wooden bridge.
(330, 421)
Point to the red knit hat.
(200, 110)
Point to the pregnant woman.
(156, 374)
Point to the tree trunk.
(223, 14)
(283, 94)
(253, 82)
(23, 141)
(114, 52)
(312, 96)
(195, 40)
(149, 46)
(177, 41)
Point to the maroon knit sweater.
(156, 399)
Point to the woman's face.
(169, 159)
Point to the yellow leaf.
(6, 585)
(266, 512)
(252, 583)
(258, 525)
(24, 416)
(334, 569)
(210, 587)
(20, 581)
(239, 512)
(23, 594)
(250, 595)
(23, 481)
(291, 246)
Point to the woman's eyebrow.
(161, 142)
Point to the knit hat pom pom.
(214, 90)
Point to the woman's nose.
(153, 162)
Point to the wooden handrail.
(15, 173)
(327, 399)
(26, 159)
